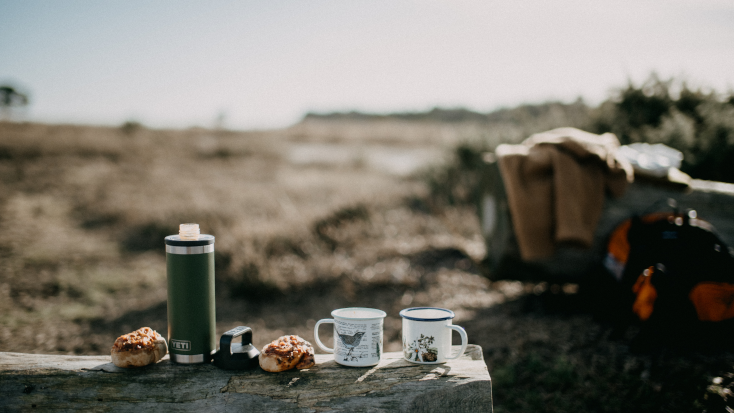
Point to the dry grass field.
(321, 215)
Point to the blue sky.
(264, 64)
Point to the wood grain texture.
(32, 382)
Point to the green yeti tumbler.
(191, 307)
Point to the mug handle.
(464, 340)
(316, 334)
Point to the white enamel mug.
(427, 335)
(357, 336)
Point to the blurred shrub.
(147, 237)
(13, 152)
(455, 182)
(10, 98)
(700, 124)
(245, 281)
(131, 127)
(326, 229)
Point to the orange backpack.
(675, 268)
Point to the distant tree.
(10, 98)
(131, 127)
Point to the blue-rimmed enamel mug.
(427, 335)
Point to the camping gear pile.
(666, 270)
(675, 275)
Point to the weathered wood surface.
(713, 201)
(32, 382)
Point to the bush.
(131, 127)
(699, 124)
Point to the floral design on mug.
(420, 350)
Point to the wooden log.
(713, 202)
(32, 382)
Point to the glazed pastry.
(286, 353)
(139, 348)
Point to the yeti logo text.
(181, 345)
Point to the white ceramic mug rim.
(449, 316)
(378, 313)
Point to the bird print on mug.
(350, 342)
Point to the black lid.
(237, 356)
(176, 241)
